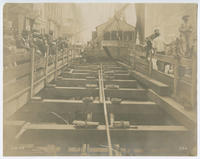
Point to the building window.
(107, 36)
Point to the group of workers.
(30, 39)
(156, 45)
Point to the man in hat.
(158, 45)
(149, 40)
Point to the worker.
(159, 48)
(149, 40)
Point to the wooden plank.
(187, 62)
(16, 72)
(141, 61)
(54, 133)
(159, 87)
(122, 83)
(140, 53)
(141, 70)
(120, 76)
(17, 58)
(78, 75)
(126, 94)
(83, 71)
(185, 117)
(62, 105)
(165, 58)
(11, 89)
(68, 92)
(162, 77)
(19, 94)
(40, 63)
(184, 93)
(141, 66)
(74, 82)
(134, 107)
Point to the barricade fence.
(182, 80)
(26, 73)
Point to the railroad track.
(94, 109)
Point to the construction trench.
(99, 109)
(80, 82)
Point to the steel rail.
(102, 100)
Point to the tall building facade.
(61, 18)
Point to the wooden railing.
(183, 88)
(26, 73)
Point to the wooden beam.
(68, 92)
(84, 71)
(121, 76)
(77, 75)
(122, 83)
(89, 67)
(81, 82)
(159, 87)
(140, 134)
(185, 117)
(126, 93)
(16, 72)
(74, 82)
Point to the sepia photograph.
(99, 79)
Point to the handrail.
(137, 55)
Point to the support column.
(32, 71)
(150, 64)
(140, 25)
(46, 65)
(112, 119)
(194, 78)
(56, 64)
(176, 77)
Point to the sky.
(94, 14)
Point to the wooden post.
(83, 149)
(194, 78)
(32, 71)
(150, 64)
(63, 53)
(112, 119)
(46, 65)
(176, 77)
(89, 116)
(56, 63)
(72, 56)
